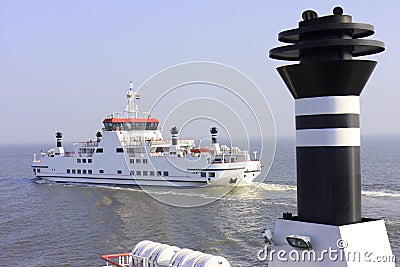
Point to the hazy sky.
(66, 64)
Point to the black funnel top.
(174, 130)
(325, 47)
(214, 130)
(331, 37)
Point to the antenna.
(131, 107)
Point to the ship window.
(144, 172)
(101, 171)
(151, 125)
(78, 160)
(89, 161)
(89, 171)
(34, 170)
(73, 171)
(68, 171)
(78, 171)
(99, 150)
(138, 173)
(158, 173)
(38, 170)
(151, 173)
(144, 161)
(132, 172)
(132, 161)
(203, 174)
(119, 172)
(83, 160)
(211, 174)
(84, 171)
(138, 161)
(119, 150)
(165, 173)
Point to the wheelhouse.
(130, 124)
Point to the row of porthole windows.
(150, 173)
(83, 160)
(79, 171)
(210, 174)
(138, 161)
(117, 150)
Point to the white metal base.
(359, 244)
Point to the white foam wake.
(273, 187)
(381, 193)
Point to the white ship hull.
(228, 181)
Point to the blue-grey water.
(72, 225)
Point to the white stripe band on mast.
(328, 105)
(328, 137)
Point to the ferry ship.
(132, 151)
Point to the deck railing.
(117, 260)
(90, 143)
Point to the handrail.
(107, 259)
(89, 143)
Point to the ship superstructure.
(132, 151)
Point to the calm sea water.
(72, 225)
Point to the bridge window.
(151, 125)
(101, 171)
(129, 126)
(119, 150)
(99, 150)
